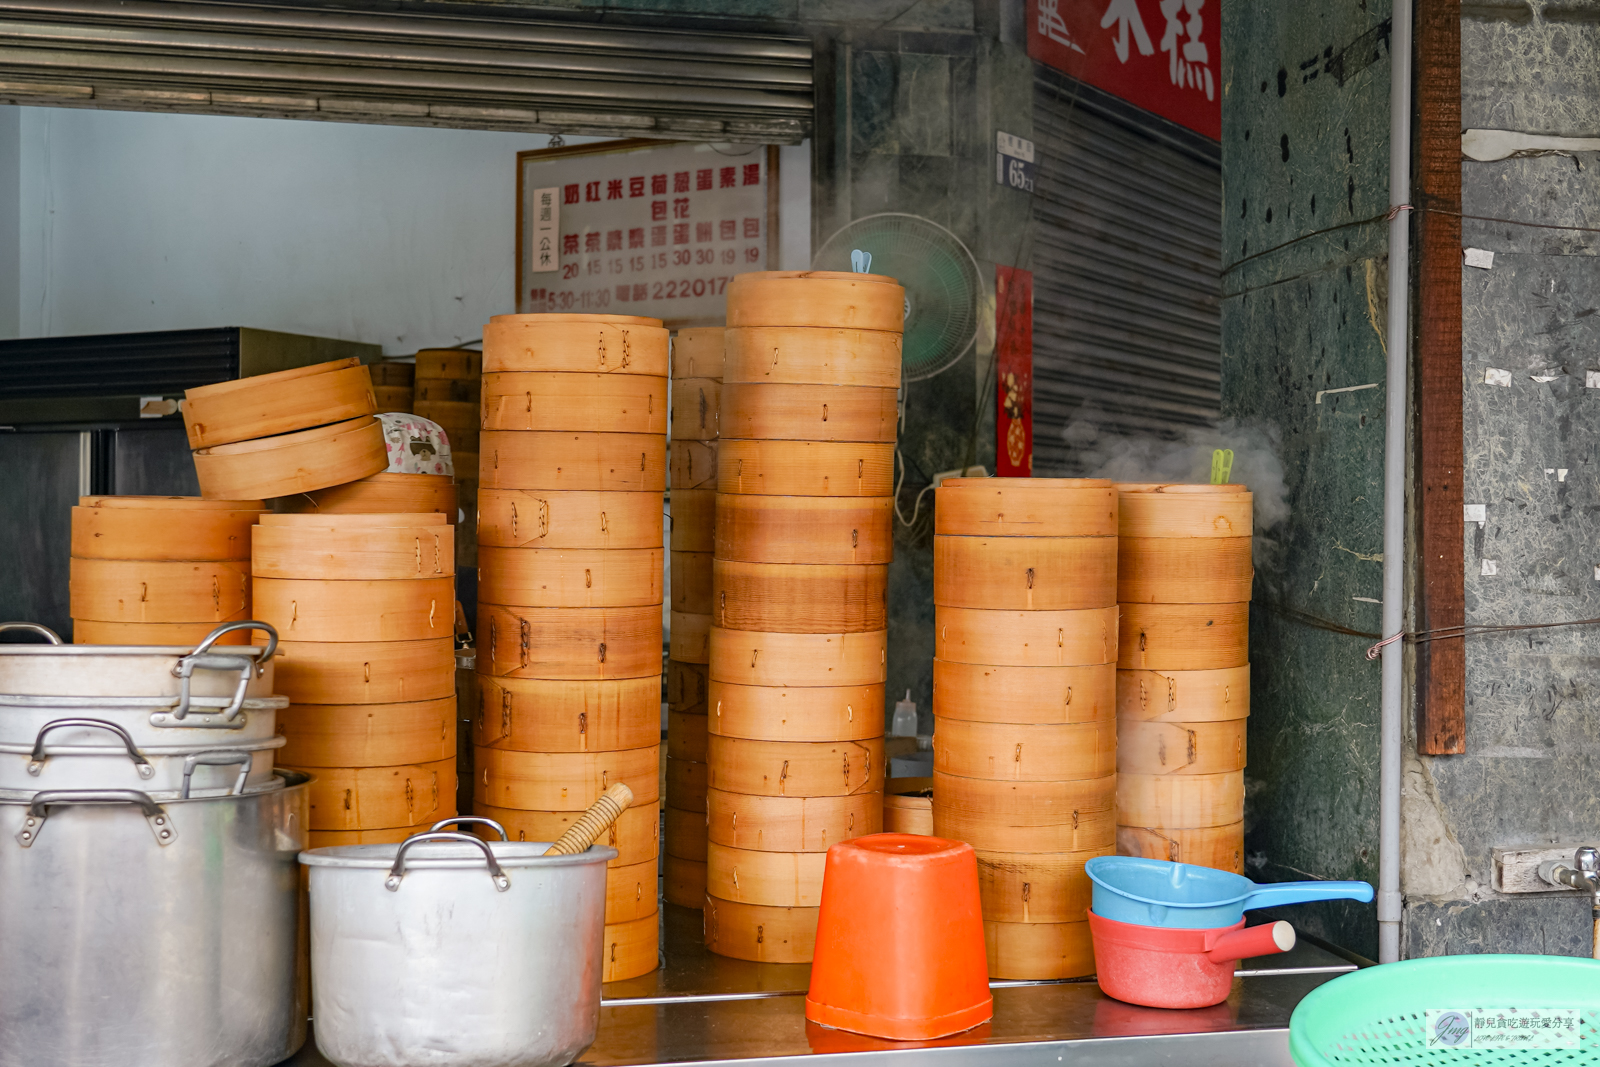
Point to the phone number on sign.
(567, 300)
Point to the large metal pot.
(63, 755)
(139, 933)
(450, 951)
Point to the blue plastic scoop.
(1128, 889)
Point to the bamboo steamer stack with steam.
(696, 402)
(449, 388)
(570, 561)
(799, 597)
(1024, 683)
(1183, 685)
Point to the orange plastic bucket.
(900, 950)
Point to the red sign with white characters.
(1162, 55)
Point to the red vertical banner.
(1013, 351)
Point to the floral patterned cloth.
(416, 446)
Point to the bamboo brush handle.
(594, 822)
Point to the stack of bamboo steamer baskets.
(572, 476)
(364, 606)
(159, 570)
(1183, 685)
(1025, 595)
(393, 384)
(696, 403)
(449, 388)
(804, 537)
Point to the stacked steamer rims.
(448, 388)
(572, 472)
(1024, 683)
(696, 401)
(1183, 685)
(799, 613)
(393, 384)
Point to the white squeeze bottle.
(904, 723)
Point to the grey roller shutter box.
(404, 68)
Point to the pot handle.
(39, 810)
(202, 658)
(221, 758)
(397, 872)
(39, 755)
(32, 627)
(476, 820)
(1267, 940)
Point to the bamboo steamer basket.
(688, 686)
(1184, 637)
(1184, 696)
(696, 407)
(1076, 637)
(1026, 507)
(356, 524)
(266, 405)
(691, 582)
(162, 528)
(685, 834)
(694, 464)
(458, 419)
(627, 895)
(1184, 511)
(292, 462)
(613, 462)
(393, 398)
(322, 610)
(683, 882)
(751, 657)
(697, 353)
(787, 879)
(1024, 573)
(907, 815)
(388, 492)
(829, 299)
(1069, 816)
(569, 643)
(605, 403)
(515, 518)
(138, 590)
(393, 373)
(562, 781)
(376, 798)
(980, 692)
(570, 577)
(1221, 847)
(1035, 887)
(694, 520)
(633, 835)
(1186, 800)
(686, 785)
(790, 824)
(365, 672)
(809, 412)
(368, 735)
(813, 356)
(169, 634)
(801, 598)
(1180, 747)
(690, 638)
(687, 738)
(1039, 951)
(805, 529)
(805, 468)
(1189, 570)
(546, 715)
(392, 835)
(469, 390)
(449, 363)
(631, 949)
(797, 713)
(1012, 752)
(760, 933)
(796, 768)
(330, 553)
(597, 344)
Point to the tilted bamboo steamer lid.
(387, 492)
(787, 879)
(169, 503)
(805, 468)
(694, 464)
(373, 672)
(790, 824)
(266, 405)
(547, 715)
(750, 657)
(627, 897)
(801, 598)
(1184, 696)
(602, 344)
(524, 518)
(368, 735)
(468, 390)
(1014, 752)
(804, 529)
(829, 299)
(570, 577)
(801, 355)
(393, 373)
(167, 528)
(562, 781)
(907, 815)
(1168, 510)
(376, 798)
(983, 692)
(633, 835)
(697, 352)
(1039, 951)
(330, 552)
(691, 582)
(688, 686)
(687, 737)
(760, 933)
(293, 462)
(685, 785)
(799, 713)
(693, 520)
(321, 610)
(1180, 747)
(1184, 637)
(1035, 887)
(1221, 847)
(1025, 507)
(630, 949)
(137, 590)
(168, 634)
(1073, 637)
(1184, 570)
(1068, 816)
(1026, 573)
(690, 637)
(564, 400)
(461, 363)
(683, 881)
(613, 462)
(569, 643)
(1187, 800)
(796, 768)
(684, 834)
(696, 408)
(809, 412)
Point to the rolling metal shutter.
(1126, 259)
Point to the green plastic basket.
(1454, 1010)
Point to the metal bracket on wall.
(1516, 870)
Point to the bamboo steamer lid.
(1187, 800)
(569, 643)
(614, 462)
(102, 529)
(169, 503)
(801, 598)
(1074, 637)
(393, 398)
(688, 685)
(169, 634)
(377, 553)
(760, 933)
(1221, 847)
(1025, 573)
(1025, 507)
(788, 823)
(694, 520)
(269, 404)
(322, 610)
(375, 798)
(1180, 747)
(517, 518)
(449, 363)
(365, 672)
(546, 715)
(697, 353)
(813, 356)
(137, 590)
(694, 464)
(981, 692)
(751, 657)
(1013, 752)
(696, 404)
(292, 462)
(393, 373)
(805, 468)
(392, 835)
(1184, 637)
(686, 785)
(601, 344)
(1036, 887)
(1184, 696)
(1039, 951)
(687, 738)
(1183, 511)
(559, 400)
(691, 582)
(690, 638)
(685, 834)
(799, 713)
(570, 577)
(357, 524)
(368, 735)
(828, 299)
(633, 835)
(631, 891)
(809, 412)
(388, 492)
(631, 949)
(562, 781)
(907, 815)
(1190, 570)
(796, 768)
(683, 882)
(460, 390)
(788, 879)
(805, 529)
(1075, 816)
